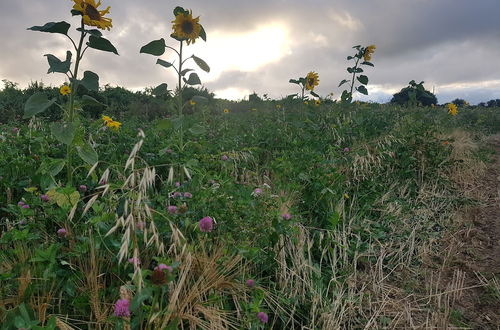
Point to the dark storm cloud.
(452, 43)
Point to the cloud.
(259, 45)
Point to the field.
(305, 216)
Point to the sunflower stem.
(354, 74)
(71, 114)
(179, 102)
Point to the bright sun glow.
(244, 51)
(232, 93)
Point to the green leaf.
(90, 81)
(63, 132)
(198, 129)
(139, 298)
(368, 63)
(350, 70)
(87, 153)
(362, 90)
(55, 166)
(37, 103)
(294, 81)
(203, 34)
(343, 82)
(75, 12)
(155, 47)
(93, 32)
(193, 79)
(363, 79)
(179, 10)
(53, 27)
(358, 70)
(100, 43)
(314, 94)
(164, 63)
(86, 99)
(201, 63)
(56, 65)
(160, 90)
(183, 72)
(164, 125)
(349, 58)
(346, 97)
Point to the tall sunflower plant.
(307, 83)
(186, 29)
(69, 131)
(362, 56)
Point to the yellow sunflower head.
(65, 90)
(185, 27)
(317, 102)
(226, 111)
(192, 103)
(367, 56)
(92, 16)
(452, 109)
(115, 125)
(312, 80)
(106, 119)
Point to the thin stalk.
(354, 74)
(71, 114)
(179, 102)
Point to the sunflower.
(91, 15)
(312, 80)
(226, 111)
(106, 119)
(65, 90)
(452, 109)
(114, 125)
(186, 27)
(317, 102)
(367, 56)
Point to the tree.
(414, 94)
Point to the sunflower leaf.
(100, 43)
(163, 63)
(87, 153)
(63, 132)
(203, 34)
(160, 90)
(368, 63)
(343, 82)
(201, 63)
(314, 94)
(56, 65)
(37, 103)
(362, 90)
(53, 27)
(183, 72)
(363, 79)
(93, 32)
(294, 81)
(155, 47)
(86, 99)
(179, 10)
(90, 81)
(193, 79)
(75, 12)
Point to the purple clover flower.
(122, 308)
(188, 195)
(286, 216)
(224, 157)
(250, 283)
(262, 317)
(25, 206)
(44, 198)
(206, 224)
(164, 267)
(172, 209)
(61, 232)
(82, 188)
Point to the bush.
(414, 95)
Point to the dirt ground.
(472, 265)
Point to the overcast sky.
(452, 45)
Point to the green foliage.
(413, 95)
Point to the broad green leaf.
(349, 58)
(201, 63)
(76, 12)
(55, 166)
(63, 132)
(358, 70)
(87, 153)
(155, 47)
(368, 63)
(164, 63)
(86, 99)
(362, 90)
(350, 70)
(164, 124)
(314, 94)
(198, 129)
(193, 79)
(160, 90)
(179, 10)
(139, 298)
(37, 103)
(53, 27)
(56, 65)
(63, 200)
(343, 82)
(346, 97)
(183, 72)
(293, 81)
(90, 81)
(363, 79)
(100, 43)
(93, 32)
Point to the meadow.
(176, 210)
